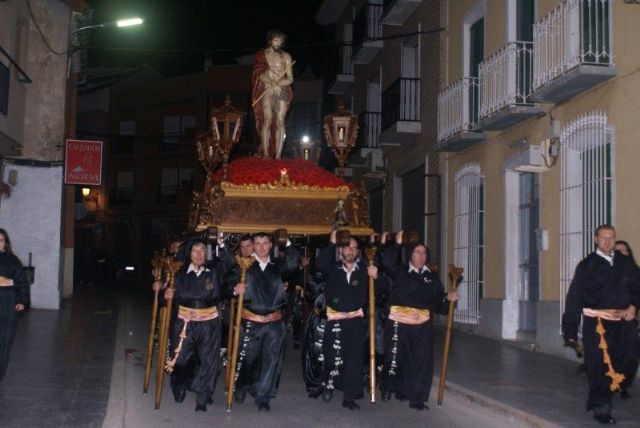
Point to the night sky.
(227, 28)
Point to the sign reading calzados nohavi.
(83, 162)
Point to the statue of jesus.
(272, 93)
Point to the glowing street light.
(129, 22)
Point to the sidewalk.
(60, 365)
(529, 385)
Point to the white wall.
(32, 217)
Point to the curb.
(513, 413)
(117, 391)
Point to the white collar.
(412, 268)
(197, 270)
(607, 257)
(263, 265)
(344, 267)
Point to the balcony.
(400, 111)
(367, 153)
(572, 49)
(458, 116)
(505, 87)
(343, 82)
(367, 31)
(396, 12)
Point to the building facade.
(536, 129)
(386, 72)
(33, 87)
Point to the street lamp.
(120, 23)
(86, 194)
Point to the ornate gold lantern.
(341, 132)
(226, 127)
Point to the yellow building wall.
(619, 98)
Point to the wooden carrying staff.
(156, 262)
(232, 307)
(371, 255)
(455, 277)
(244, 263)
(172, 266)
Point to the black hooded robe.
(262, 345)
(344, 340)
(202, 343)
(408, 348)
(600, 285)
(10, 267)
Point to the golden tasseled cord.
(171, 363)
(616, 378)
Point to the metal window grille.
(505, 78)
(468, 250)
(587, 190)
(575, 32)
(458, 108)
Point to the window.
(125, 140)
(172, 182)
(123, 193)
(595, 31)
(468, 250)
(476, 55)
(175, 127)
(587, 190)
(525, 10)
(413, 192)
(127, 127)
(4, 89)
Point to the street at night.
(381, 213)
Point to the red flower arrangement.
(264, 171)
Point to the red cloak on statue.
(260, 65)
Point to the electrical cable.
(42, 36)
(253, 49)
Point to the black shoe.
(351, 405)
(625, 395)
(264, 406)
(179, 395)
(399, 397)
(359, 396)
(386, 396)
(327, 395)
(201, 407)
(606, 419)
(210, 400)
(314, 394)
(418, 406)
(239, 396)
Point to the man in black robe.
(346, 295)
(14, 296)
(415, 296)
(261, 347)
(311, 352)
(605, 293)
(195, 330)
